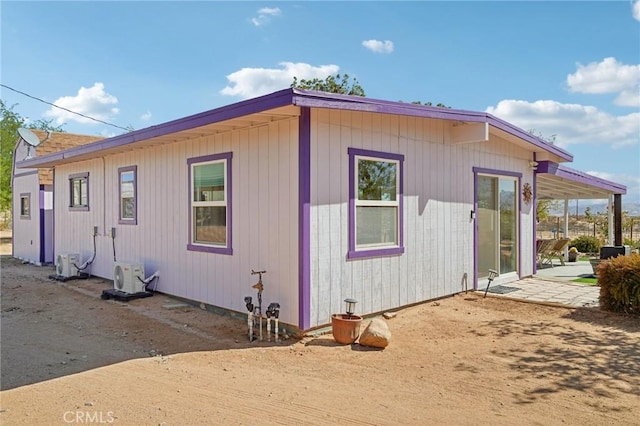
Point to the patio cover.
(558, 182)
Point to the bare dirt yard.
(69, 357)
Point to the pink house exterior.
(335, 196)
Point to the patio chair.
(543, 249)
(558, 250)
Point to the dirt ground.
(69, 357)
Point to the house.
(32, 190)
(334, 196)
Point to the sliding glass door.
(497, 218)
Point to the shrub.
(631, 243)
(619, 280)
(586, 244)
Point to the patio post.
(617, 211)
(610, 218)
(566, 226)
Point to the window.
(25, 205)
(210, 203)
(128, 191)
(375, 203)
(79, 192)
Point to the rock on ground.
(376, 334)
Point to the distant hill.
(632, 208)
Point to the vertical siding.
(264, 218)
(26, 232)
(438, 198)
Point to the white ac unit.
(66, 264)
(127, 277)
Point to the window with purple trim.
(127, 185)
(210, 203)
(79, 192)
(375, 203)
(25, 205)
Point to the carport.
(557, 182)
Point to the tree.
(551, 140)
(333, 84)
(439, 104)
(543, 207)
(9, 124)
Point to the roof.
(280, 105)
(53, 142)
(558, 182)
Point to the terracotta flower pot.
(345, 330)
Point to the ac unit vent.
(65, 264)
(127, 277)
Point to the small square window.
(79, 192)
(25, 205)
(128, 193)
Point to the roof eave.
(301, 98)
(314, 99)
(239, 109)
(580, 177)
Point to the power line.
(64, 109)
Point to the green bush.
(631, 243)
(586, 244)
(619, 280)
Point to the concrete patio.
(552, 285)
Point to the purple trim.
(357, 103)
(475, 229)
(353, 252)
(577, 176)
(519, 253)
(78, 208)
(298, 97)
(228, 112)
(42, 224)
(304, 219)
(53, 215)
(227, 156)
(28, 196)
(535, 217)
(496, 172)
(518, 176)
(46, 230)
(133, 221)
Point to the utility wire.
(62, 108)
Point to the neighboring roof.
(53, 142)
(557, 182)
(275, 106)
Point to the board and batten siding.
(264, 218)
(26, 231)
(438, 198)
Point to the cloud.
(264, 15)
(571, 124)
(608, 76)
(378, 46)
(635, 11)
(630, 181)
(251, 82)
(92, 102)
(146, 116)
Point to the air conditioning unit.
(66, 264)
(127, 277)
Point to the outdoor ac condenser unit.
(66, 264)
(127, 277)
